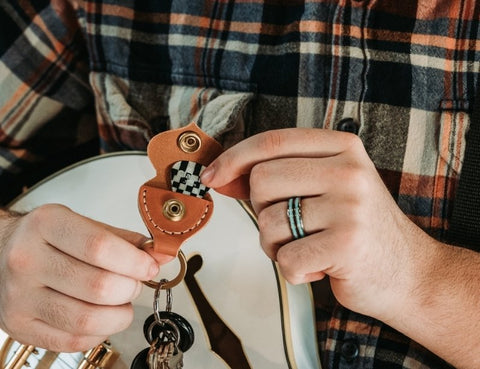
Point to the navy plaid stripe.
(274, 70)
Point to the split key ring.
(173, 282)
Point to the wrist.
(442, 307)
(416, 287)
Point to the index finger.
(239, 160)
(95, 243)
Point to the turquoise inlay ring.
(294, 214)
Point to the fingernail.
(207, 174)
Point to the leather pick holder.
(174, 204)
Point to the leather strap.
(156, 197)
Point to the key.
(176, 361)
(169, 357)
(186, 338)
(164, 352)
(168, 333)
(159, 355)
(141, 361)
(163, 347)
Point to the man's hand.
(374, 255)
(379, 262)
(67, 281)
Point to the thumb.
(239, 188)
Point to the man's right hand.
(67, 282)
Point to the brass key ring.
(173, 282)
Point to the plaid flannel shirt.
(402, 72)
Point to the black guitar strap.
(464, 229)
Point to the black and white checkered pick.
(186, 178)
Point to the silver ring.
(294, 214)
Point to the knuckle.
(283, 260)
(37, 217)
(270, 223)
(357, 177)
(286, 270)
(356, 217)
(48, 216)
(19, 260)
(294, 279)
(353, 142)
(256, 174)
(264, 221)
(293, 259)
(350, 241)
(271, 142)
(85, 323)
(258, 179)
(46, 213)
(51, 342)
(96, 247)
(100, 285)
(353, 175)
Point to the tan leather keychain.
(174, 204)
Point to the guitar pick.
(185, 178)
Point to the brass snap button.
(189, 142)
(173, 210)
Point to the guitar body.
(231, 282)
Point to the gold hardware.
(101, 356)
(20, 357)
(189, 142)
(173, 210)
(172, 283)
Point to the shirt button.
(347, 125)
(349, 350)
